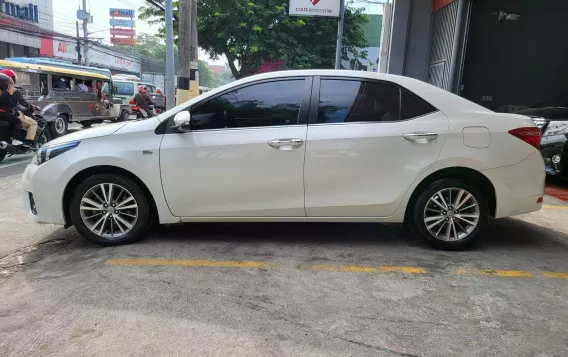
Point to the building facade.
(505, 55)
(20, 22)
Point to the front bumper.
(47, 188)
(518, 187)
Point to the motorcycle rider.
(27, 122)
(143, 100)
(7, 104)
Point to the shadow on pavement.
(499, 234)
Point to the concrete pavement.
(293, 290)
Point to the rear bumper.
(518, 187)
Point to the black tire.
(123, 116)
(139, 229)
(2, 155)
(418, 225)
(60, 126)
(86, 124)
(43, 137)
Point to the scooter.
(43, 136)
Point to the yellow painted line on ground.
(554, 207)
(409, 270)
(345, 268)
(502, 273)
(552, 274)
(188, 263)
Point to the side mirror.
(182, 121)
(114, 90)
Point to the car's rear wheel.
(110, 209)
(450, 214)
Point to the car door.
(367, 142)
(244, 155)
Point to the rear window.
(124, 88)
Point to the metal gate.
(441, 44)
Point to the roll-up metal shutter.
(441, 44)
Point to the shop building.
(503, 54)
(20, 22)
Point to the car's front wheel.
(450, 214)
(110, 209)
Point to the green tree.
(206, 76)
(248, 32)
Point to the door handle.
(421, 137)
(286, 144)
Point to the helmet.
(141, 89)
(5, 82)
(10, 74)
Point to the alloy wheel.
(109, 210)
(451, 214)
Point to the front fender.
(51, 111)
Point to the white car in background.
(296, 146)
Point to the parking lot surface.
(291, 290)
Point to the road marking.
(554, 207)
(409, 270)
(551, 274)
(503, 273)
(345, 268)
(189, 263)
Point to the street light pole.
(184, 51)
(170, 90)
(339, 34)
(85, 33)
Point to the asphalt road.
(17, 163)
(291, 290)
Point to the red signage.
(122, 32)
(123, 41)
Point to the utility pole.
(184, 51)
(170, 90)
(339, 34)
(85, 32)
(78, 43)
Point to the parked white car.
(296, 146)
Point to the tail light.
(132, 101)
(530, 135)
(134, 108)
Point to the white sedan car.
(296, 146)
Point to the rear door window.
(124, 88)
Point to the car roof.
(441, 99)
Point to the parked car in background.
(553, 123)
(296, 146)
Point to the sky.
(65, 15)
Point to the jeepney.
(65, 95)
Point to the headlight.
(47, 153)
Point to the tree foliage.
(248, 32)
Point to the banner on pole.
(315, 8)
(122, 32)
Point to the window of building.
(343, 101)
(257, 105)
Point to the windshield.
(124, 88)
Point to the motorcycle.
(43, 136)
(141, 113)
